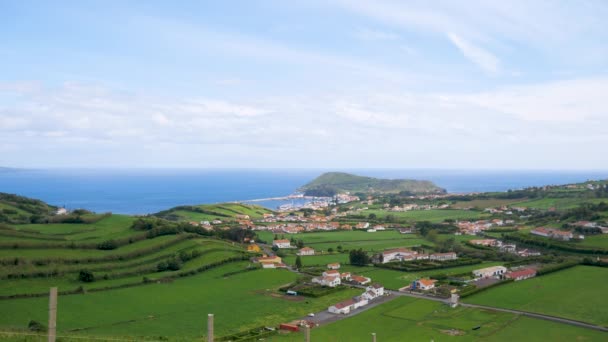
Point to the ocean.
(142, 191)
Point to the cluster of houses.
(404, 254)
(409, 207)
(505, 247)
(472, 228)
(371, 292)
(588, 224)
(332, 277)
(556, 234)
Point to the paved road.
(540, 316)
(325, 317)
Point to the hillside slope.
(331, 183)
(209, 212)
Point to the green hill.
(19, 209)
(209, 212)
(330, 183)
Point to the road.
(325, 317)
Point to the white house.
(331, 273)
(306, 251)
(333, 266)
(342, 307)
(379, 227)
(61, 211)
(374, 291)
(329, 281)
(425, 284)
(284, 243)
(345, 276)
(494, 271)
(360, 279)
(398, 254)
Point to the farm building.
(345, 276)
(360, 280)
(424, 284)
(306, 251)
(443, 256)
(281, 243)
(484, 242)
(347, 306)
(552, 233)
(329, 281)
(333, 266)
(521, 274)
(494, 271)
(398, 254)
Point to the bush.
(86, 276)
(107, 245)
(36, 326)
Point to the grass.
(557, 203)
(223, 211)
(576, 293)
(355, 239)
(600, 240)
(409, 319)
(436, 215)
(482, 203)
(113, 227)
(177, 309)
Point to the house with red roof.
(306, 251)
(521, 274)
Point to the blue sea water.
(148, 191)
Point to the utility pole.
(373, 337)
(52, 332)
(210, 328)
(306, 333)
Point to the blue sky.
(344, 84)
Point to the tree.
(330, 250)
(358, 257)
(339, 248)
(371, 216)
(86, 276)
(300, 244)
(298, 262)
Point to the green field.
(210, 212)
(435, 215)
(577, 293)
(177, 309)
(600, 240)
(482, 203)
(113, 227)
(557, 203)
(409, 319)
(354, 239)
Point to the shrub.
(86, 276)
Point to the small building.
(424, 284)
(494, 271)
(331, 273)
(306, 251)
(360, 279)
(521, 274)
(345, 276)
(253, 248)
(333, 266)
(398, 254)
(343, 307)
(443, 256)
(283, 243)
(329, 281)
(483, 242)
(405, 230)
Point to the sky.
(304, 84)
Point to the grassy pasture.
(113, 227)
(177, 309)
(409, 319)
(482, 203)
(435, 215)
(557, 203)
(577, 293)
(600, 240)
(223, 211)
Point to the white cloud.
(376, 35)
(475, 54)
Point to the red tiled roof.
(522, 273)
(345, 303)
